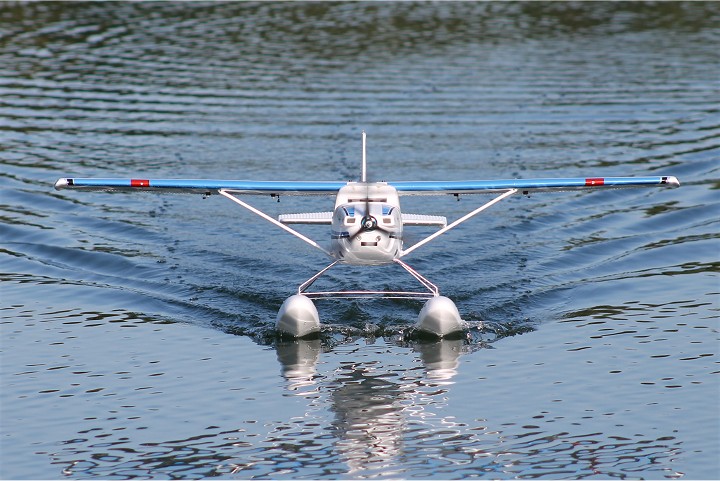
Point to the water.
(137, 329)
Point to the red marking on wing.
(596, 181)
(139, 183)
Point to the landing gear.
(439, 317)
(298, 317)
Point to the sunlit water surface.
(137, 336)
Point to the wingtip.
(63, 183)
(671, 181)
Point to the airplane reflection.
(299, 359)
(440, 358)
(373, 410)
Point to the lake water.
(137, 330)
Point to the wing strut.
(229, 194)
(459, 221)
(432, 290)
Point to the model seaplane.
(366, 227)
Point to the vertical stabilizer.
(363, 176)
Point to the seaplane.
(367, 228)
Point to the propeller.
(368, 223)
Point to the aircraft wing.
(198, 186)
(207, 187)
(527, 186)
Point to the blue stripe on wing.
(536, 185)
(331, 187)
(201, 186)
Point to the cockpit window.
(387, 211)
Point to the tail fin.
(363, 176)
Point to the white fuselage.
(367, 224)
